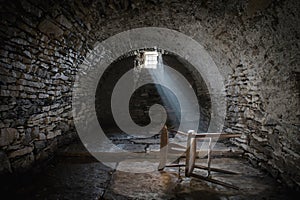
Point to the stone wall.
(254, 43)
(38, 63)
(263, 91)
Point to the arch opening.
(147, 95)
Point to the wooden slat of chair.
(196, 166)
(176, 151)
(215, 169)
(213, 135)
(179, 132)
(190, 154)
(175, 165)
(177, 146)
(214, 181)
(209, 157)
(216, 135)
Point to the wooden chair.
(190, 154)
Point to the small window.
(151, 59)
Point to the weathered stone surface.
(42, 96)
(20, 152)
(22, 163)
(64, 178)
(8, 135)
(63, 21)
(53, 134)
(35, 132)
(259, 139)
(137, 148)
(49, 28)
(39, 144)
(5, 164)
(42, 136)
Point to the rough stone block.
(22, 163)
(42, 136)
(40, 144)
(50, 28)
(63, 21)
(43, 96)
(20, 152)
(8, 135)
(53, 134)
(4, 163)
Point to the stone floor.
(74, 174)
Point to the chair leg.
(209, 158)
(190, 153)
(164, 140)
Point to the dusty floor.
(73, 174)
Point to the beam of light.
(161, 76)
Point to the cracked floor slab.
(75, 174)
